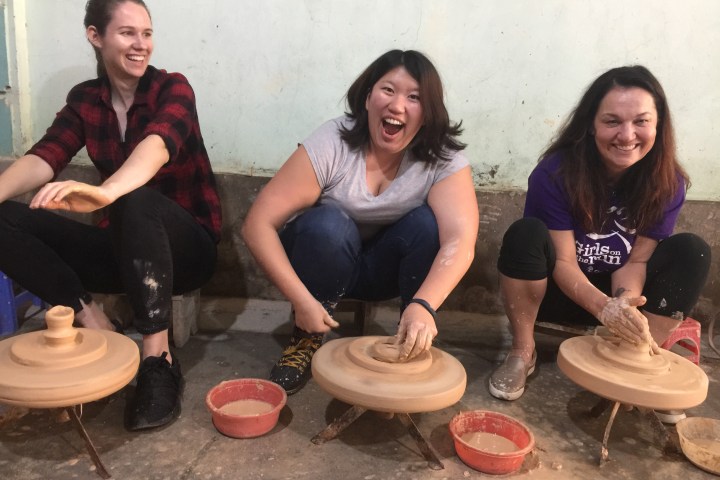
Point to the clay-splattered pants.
(151, 249)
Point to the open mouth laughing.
(392, 126)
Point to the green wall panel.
(5, 118)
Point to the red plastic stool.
(687, 335)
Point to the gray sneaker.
(507, 382)
(670, 417)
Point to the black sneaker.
(292, 371)
(157, 395)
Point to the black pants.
(152, 249)
(676, 273)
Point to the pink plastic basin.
(495, 423)
(245, 426)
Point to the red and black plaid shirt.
(164, 105)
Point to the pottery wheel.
(64, 366)
(349, 370)
(624, 373)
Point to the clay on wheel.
(347, 369)
(386, 350)
(64, 366)
(624, 373)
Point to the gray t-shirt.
(340, 172)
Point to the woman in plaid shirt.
(161, 219)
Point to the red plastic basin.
(495, 423)
(245, 426)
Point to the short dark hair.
(436, 138)
(648, 185)
(98, 13)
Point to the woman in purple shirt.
(595, 242)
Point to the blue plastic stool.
(9, 302)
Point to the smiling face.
(126, 45)
(625, 126)
(395, 113)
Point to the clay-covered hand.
(623, 318)
(312, 317)
(71, 195)
(416, 332)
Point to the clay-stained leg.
(428, 452)
(100, 468)
(338, 425)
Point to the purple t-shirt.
(604, 251)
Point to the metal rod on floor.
(428, 452)
(338, 425)
(100, 468)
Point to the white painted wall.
(267, 72)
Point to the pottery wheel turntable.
(624, 373)
(64, 367)
(361, 371)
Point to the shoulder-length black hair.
(436, 138)
(645, 187)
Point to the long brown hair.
(646, 187)
(436, 138)
(98, 13)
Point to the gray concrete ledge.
(237, 274)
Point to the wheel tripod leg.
(670, 444)
(88, 443)
(604, 452)
(338, 425)
(428, 452)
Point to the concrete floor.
(243, 339)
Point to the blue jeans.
(327, 253)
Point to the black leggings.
(676, 273)
(152, 249)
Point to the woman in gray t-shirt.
(373, 205)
